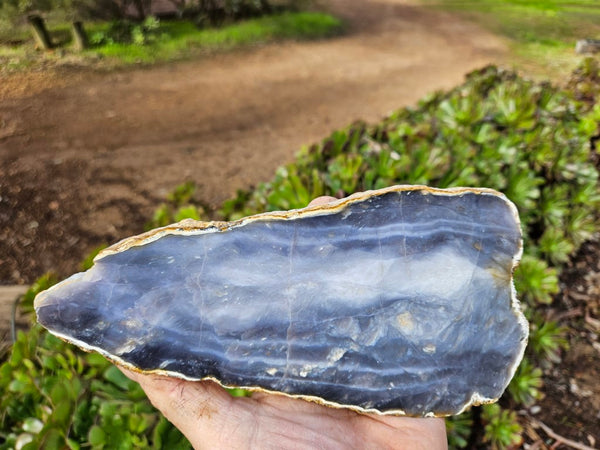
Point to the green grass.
(182, 39)
(541, 33)
(174, 40)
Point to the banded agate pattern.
(394, 301)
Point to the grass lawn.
(542, 33)
(175, 40)
(179, 39)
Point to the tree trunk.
(40, 33)
(141, 11)
(79, 36)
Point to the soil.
(571, 406)
(86, 156)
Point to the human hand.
(211, 418)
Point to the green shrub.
(585, 82)
(524, 387)
(502, 429)
(547, 339)
(179, 205)
(458, 429)
(128, 32)
(53, 395)
(497, 130)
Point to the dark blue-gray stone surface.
(400, 301)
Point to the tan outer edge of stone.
(194, 227)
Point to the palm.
(211, 418)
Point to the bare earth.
(107, 148)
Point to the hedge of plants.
(530, 140)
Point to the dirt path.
(89, 159)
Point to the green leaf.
(555, 245)
(21, 384)
(32, 425)
(60, 392)
(62, 414)
(97, 436)
(237, 392)
(73, 445)
(165, 435)
(52, 439)
(96, 360)
(458, 429)
(187, 212)
(88, 262)
(116, 377)
(547, 338)
(535, 281)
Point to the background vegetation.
(542, 33)
(530, 140)
(170, 40)
(116, 38)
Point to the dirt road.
(86, 158)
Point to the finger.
(322, 200)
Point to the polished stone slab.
(396, 301)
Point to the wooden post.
(40, 33)
(8, 295)
(79, 36)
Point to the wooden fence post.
(79, 36)
(40, 33)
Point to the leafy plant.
(547, 339)
(497, 130)
(128, 32)
(501, 427)
(89, 259)
(525, 386)
(536, 282)
(458, 429)
(529, 140)
(53, 395)
(180, 205)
